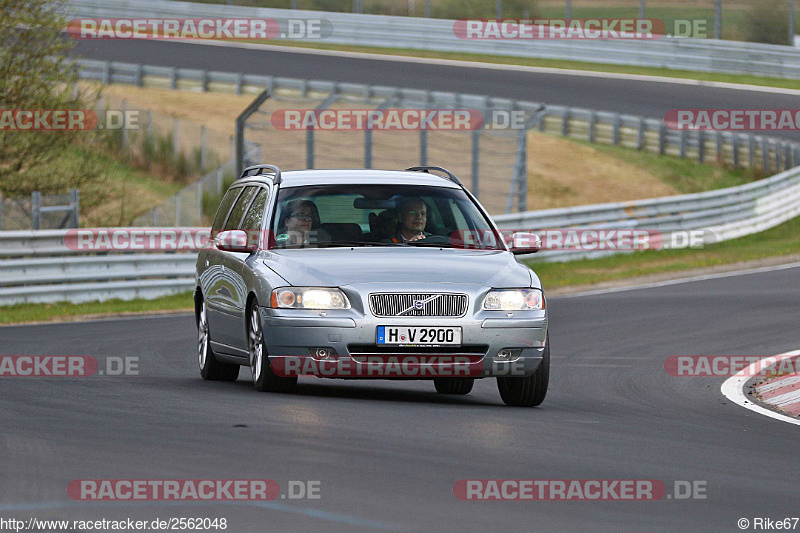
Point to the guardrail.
(37, 266)
(705, 55)
(721, 214)
(43, 269)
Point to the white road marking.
(733, 388)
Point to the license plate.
(419, 336)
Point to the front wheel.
(453, 385)
(264, 378)
(527, 391)
(210, 368)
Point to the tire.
(454, 385)
(264, 379)
(211, 369)
(527, 391)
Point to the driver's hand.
(417, 237)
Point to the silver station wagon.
(377, 274)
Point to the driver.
(412, 215)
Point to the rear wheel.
(210, 368)
(264, 378)
(454, 385)
(527, 391)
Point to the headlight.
(514, 300)
(308, 298)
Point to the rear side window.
(252, 219)
(239, 208)
(224, 208)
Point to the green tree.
(36, 74)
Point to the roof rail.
(258, 170)
(427, 169)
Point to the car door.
(228, 292)
(212, 282)
(238, 263)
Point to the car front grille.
(418, 304)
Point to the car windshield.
(380, 215)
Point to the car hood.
(332, 267)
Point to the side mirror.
(234, 240)
(521, 243)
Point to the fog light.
(321, 353)
(509, 353)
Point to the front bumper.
(293, 338)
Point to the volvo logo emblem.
(419, 304)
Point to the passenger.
(412, 216)
(299, 223)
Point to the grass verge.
(63, 311)
(778, 241)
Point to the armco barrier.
(36, 266)
(704, 55)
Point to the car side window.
(239, 208)
(252, 220)
(224, 208)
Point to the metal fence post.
(592, 122)
(138, 76)
(175, 148)
(205, 81)
(476, 150)
(615, 128)
(701, 146)
(239, 77)
(203, 148)
(565, 123)
(522, 187)
(423, 146)
(124, 125)
(640, 134)
(751, 151)
(683, 144)
(36, 205)
(107, 73)
(764, 155)
(74, 203)
(173, 78)
(735, 150)
(367, 148)
(199, 202)
(310, 147)
(662, 138)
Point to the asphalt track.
(387, 454)
(644, 98)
